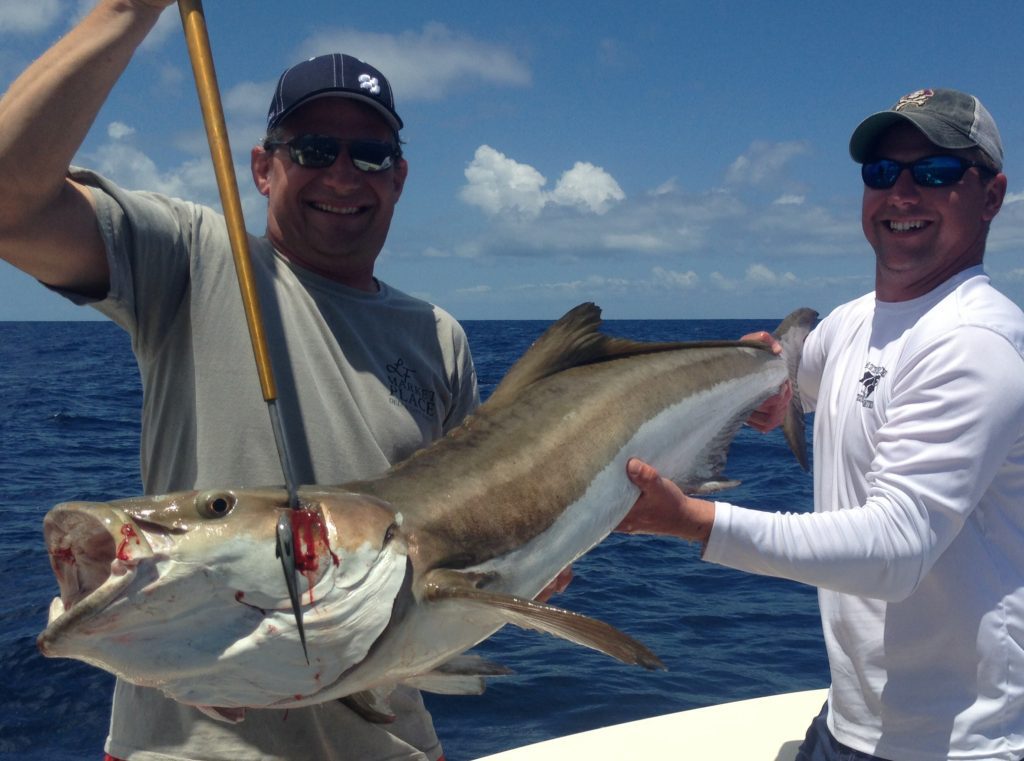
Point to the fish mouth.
(95, 552)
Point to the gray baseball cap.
(949, 118)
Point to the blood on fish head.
(183, 592)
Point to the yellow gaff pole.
(198, 40)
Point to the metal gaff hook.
(194, 24)
(286, 552)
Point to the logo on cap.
(917, 98)
(367, 82)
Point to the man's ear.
(995, 192)
(259, 161)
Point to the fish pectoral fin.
(373, 705)
(461, 675)
(530, 614)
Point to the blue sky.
(662, 159)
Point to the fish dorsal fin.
(572, 341)
(447, 584)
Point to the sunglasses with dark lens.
(320, 151)
(929, 172)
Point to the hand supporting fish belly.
(404, 573)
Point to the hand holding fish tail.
(663, 509)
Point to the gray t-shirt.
(363, 380)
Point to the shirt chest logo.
(406, 390)
(868, 383)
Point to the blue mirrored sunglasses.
(320, 151)
(929, 172)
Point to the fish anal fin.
(472, 664)
(461, 675)
(530, 614)
(447, 684)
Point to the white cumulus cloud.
(499, 184)
(587, 186)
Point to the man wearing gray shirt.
(366, 374)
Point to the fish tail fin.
(791, 334)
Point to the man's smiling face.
(334, 220)
(924, 235)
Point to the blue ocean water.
(69, 401)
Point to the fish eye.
(215, 504)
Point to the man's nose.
(904, 189)
(343, 172)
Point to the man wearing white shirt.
(916, 543)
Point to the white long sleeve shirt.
(917, 539)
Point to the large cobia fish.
(405, 572)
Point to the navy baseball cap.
(948, 118)
(335, 75)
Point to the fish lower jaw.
(76, 590)
(64, 619)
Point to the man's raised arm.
(47, 222)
